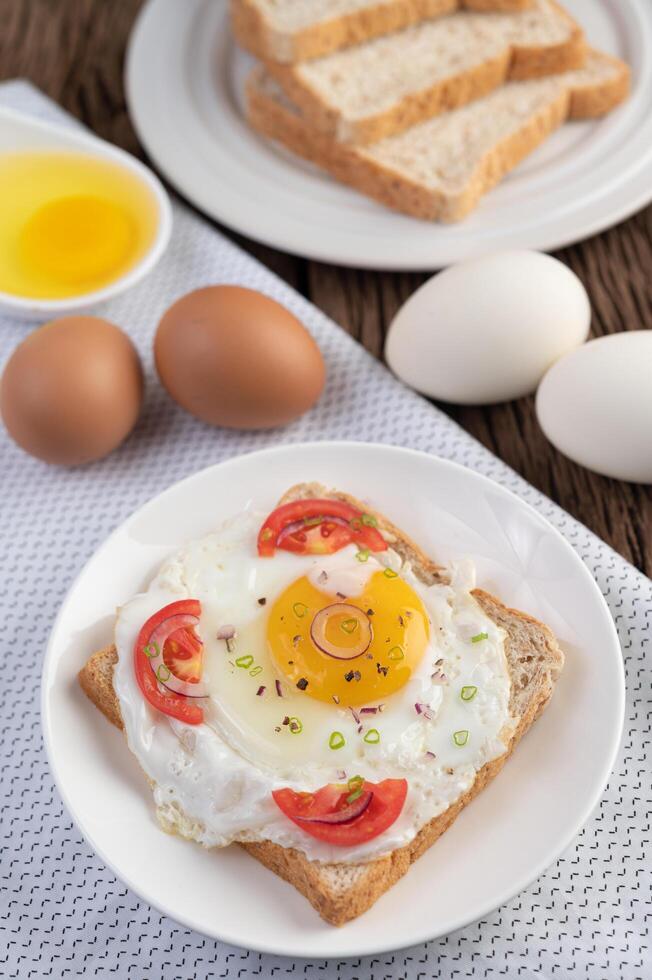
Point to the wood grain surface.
(74, 51)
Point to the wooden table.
(74, 49)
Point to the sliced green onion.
(461, 738)
(479, 637)
(336, 741)
(349, 625)
(369, 520)
(372, 737)
(355, 795)
(312, 521)
(295, 726)
(246, 661)
(390, 573)
(363, 554)
(256, 671)
(163, 673)
(152, 650)
(300, 609)
(396, 653)
(469, 692)
(355, 782)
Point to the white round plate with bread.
(185, 82)
(521, 822)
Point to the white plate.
(184, 88)
(501, 843)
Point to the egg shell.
(72, 390)
(595, 405)
(488, 329)
(236, 358)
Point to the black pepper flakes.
(302, 683)
(349, 676)
(286, 720)
(370, 612)
(262, 601)
(382, 670)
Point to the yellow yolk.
(71, 223)
(76, 239)
(400, 637)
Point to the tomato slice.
(387, 801)
(182, 655)
(318, 527)
(186, 649)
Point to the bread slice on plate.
(440, 169)
(289, 31)
(381, 88)
(342, 891)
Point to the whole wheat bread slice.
(340, 892)
(439, 170)
(290, 31)
(381, 88)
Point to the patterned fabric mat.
(62, 913)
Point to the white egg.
(488, 329)
(595, 406)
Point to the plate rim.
(49, 664)
(616, 202)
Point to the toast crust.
(514, 63)
(255, 33)
(341, 892)
(358, 169)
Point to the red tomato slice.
(313, 527)
(386, 804)
(174, 705)
(182, 654)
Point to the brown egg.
(235, 358)
(72, 391)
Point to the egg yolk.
(399, 637)
(77, 239)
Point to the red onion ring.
(320, 622)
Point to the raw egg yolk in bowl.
(349, 651)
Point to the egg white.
(213, 782)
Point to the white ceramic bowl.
(19, 132)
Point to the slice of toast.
(439, 170)
(290, 32)
(379, 89)
(339, 891)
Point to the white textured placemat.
(62, 913)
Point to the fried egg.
(317, 668)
